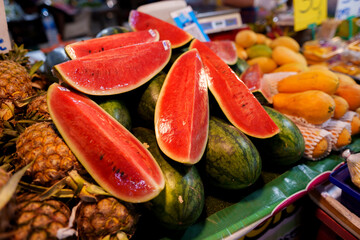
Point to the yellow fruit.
(246, 38)
(355, 125)
(292, 67)
(341, 106)
(314, 106)
(320, 148)
(351, 93)
(268, 41)
(241, 52)
(343, 139)
(323, 80)
(259, 50)
(345, 79)
(358, 110)
(283, 55)
(260, 38)
(266, 64)
(318, 66)
(286, 42)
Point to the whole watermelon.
(285, 148)
(181, 203)
(231, 159)
(111, 30)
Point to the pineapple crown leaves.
(18, 54)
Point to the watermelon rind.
(182, 201)
(95, 45)
(236, 101)
(182, 110)
(140, 21)
(231, 159)
(116, 70)
(285, 148)
(114, 157)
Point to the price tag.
(5, 44)
(307, 12)
(347, 8)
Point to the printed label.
(5, 44)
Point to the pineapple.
(39, 220)
(52, 157)
(105, 217)
(38, 106)
(7, 211)
(15, 81)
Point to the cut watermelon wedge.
(225, 49)
(95, 45)
(109, 152)
(116, 70)
(237, 102)
(253, 79)
(140, 21)
(182, 110)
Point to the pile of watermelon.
(186, 120)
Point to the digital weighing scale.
(219, 19)
(213, 19)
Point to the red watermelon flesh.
(225, 49)
(182, 110)
(239, 105)
(95, 45)
(253, 79)
(116, 70)
(109, 152)
(140, 21)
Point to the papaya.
(322, 80)
(246, 38)
(345, 79)
(292, 67)
(266, 64)
(351, 93)
(314, 106)
(286, 41)
(341, 106)
(282, 55)
(318, 66)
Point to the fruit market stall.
(150, 128)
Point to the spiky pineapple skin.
(105, 217)
(38, 106)
(52, 157)
(38, 219)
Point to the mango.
(314, 106)
(260, 38)
(266, 64)
(246, 38)
(292, 67)
(323, 80)
(259, 50)
(283, 55)
(286, 41)
(241, 52)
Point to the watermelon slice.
(109, 152)
(225, 49)
(95, 45)
(182, 110)
(116, 70)
(237, 102)
(253, 79)
(140, 21)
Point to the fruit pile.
(142, 123)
